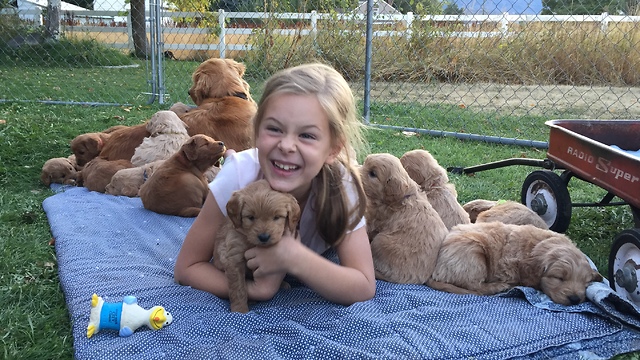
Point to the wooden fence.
(112, 28)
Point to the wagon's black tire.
(624, 258)
(544, 192)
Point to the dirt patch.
(551, 101)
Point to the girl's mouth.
(284, 167)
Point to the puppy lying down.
(488, 258)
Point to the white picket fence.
(116, 22)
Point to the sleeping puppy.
(59, 171)
(511, 212)
(178, 186)
(98, 172)
(168, 133)
(475, 207)
(127, 182)
(404, 230)
(488, 258)
(424, 169)
(256, 216)
(224, 105)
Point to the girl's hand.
(270, 266)
(274, 259)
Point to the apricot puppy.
(256, 216)
(178, 186)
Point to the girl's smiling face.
(294, 142)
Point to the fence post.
(504, 23)
(130, 32)
(223, 33)
(408, 21)
(314, 24)
(53, 19)
(604, 21)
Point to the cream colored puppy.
(424, 169)
(168, 133)
(404, 230)
(488, 258)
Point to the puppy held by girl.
(305, 134)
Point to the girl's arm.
(350, 281)
(193, 266)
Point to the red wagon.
(599, 152)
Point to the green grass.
(34, 322)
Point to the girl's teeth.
(285, 167)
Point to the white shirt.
(242, 168)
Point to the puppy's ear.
(596, 277)
(45, 177)
(234, 209)
(293, 215)
(240, 68)
(200, 88)
(190, 148)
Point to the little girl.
(305, 133)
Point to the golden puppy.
(178, 186)
(256, 216)
(488, 258)
(98, 172)
(168, 133)
(511, 212)
(127, 182)
(59, 171)
(404, 230)
(432, 178)
(224, 106)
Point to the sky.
(500, 6)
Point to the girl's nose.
(287, 144)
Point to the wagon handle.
(544, 163)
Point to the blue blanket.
(114, 247)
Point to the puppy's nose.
(574, 299)
(264, 238)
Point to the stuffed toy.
(125, 316)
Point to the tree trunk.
(139, 29)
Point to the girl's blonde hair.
(333, 216)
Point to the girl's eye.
(272, 129)
(307, 136)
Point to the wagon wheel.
(624, 265)
(545, 193)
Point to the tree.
(453, 9)
(139, 29)
(588, 7)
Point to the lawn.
(34, 323)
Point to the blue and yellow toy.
(125, 316)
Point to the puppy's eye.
(250, 217)
(372, 173)
(276, 218)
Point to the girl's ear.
(335, 152)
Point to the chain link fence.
(488, 68)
